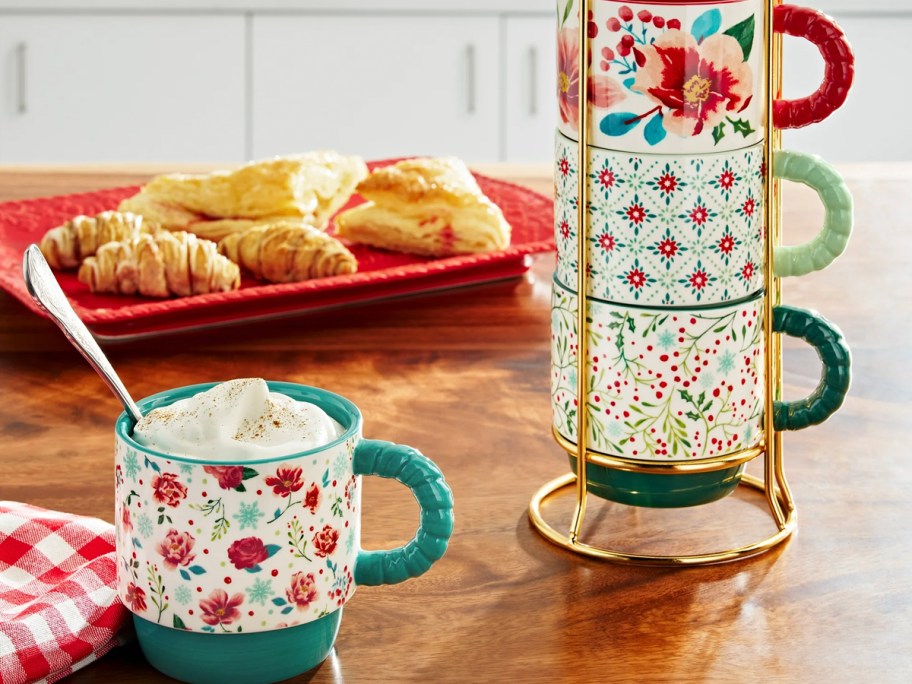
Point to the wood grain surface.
(463, 376)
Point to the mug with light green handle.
(237, 572)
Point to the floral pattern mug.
(218, 560)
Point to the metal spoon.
(44, 288)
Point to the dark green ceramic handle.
(825, 337)
(423, 477)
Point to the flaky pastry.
(309, 187)
(160, 265)
(288, 252)
(67, 245)
(431, 207)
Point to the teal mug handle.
(835, 379)
(831, 241)
(423, 477)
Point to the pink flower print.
(303, 590)
(135, 598)
(697, 83)
(748, 207)
(726, 243)
(167, 489)
(604, 91)
(607, 242)
(325, 541)
(285, 481)
(312, 498)
(176, 549)
(563, 166)
(228, 477)
(698, 215)
(606, 178)
(668, 248)
(726, 180)
(247, 553)
(218, 609)
(667, 183)
(564, 228)
(636, 278)
(698, 279)
(125, 520)
(607, 57)
(636, 213)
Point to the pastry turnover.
(160, 265)
(288, 252)
(67, 245)
(431, 207)
(308, 187)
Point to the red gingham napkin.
(59, 608)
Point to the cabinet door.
(377, 86)
(103, 88)
(530, 89)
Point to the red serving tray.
(381, 274)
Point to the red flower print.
(350, 491)
(607, 242)
(176, 549)
(303, 590)
(564, 166)
(726, 243)
(247, 553)
(603, 91)
(125, 520)
(636, 278)
(636, 213)
(218, 609)
(668, 248)
(312, 498)
(564, 228)
(747, 271)
(667, 183)
(228, 477)
(168, 490)
(606, 178)
(135, 599)
(285, 481)
(726, 180)
(748, 206)
(699, 215)
(325, 541)
(698, 83)
(698, 280)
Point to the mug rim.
(335, 405)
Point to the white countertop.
(843, 7)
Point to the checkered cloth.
(59, 608)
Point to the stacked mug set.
(677, 241)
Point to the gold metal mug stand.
(773, 483)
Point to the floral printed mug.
(679, 385)
(238, 571)
(688, 77)
(687, 230)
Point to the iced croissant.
(309, 188)
(431, 207)
(67, 245)
(287, 252)
(160, 265)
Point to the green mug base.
(659, 490)
(247, 658)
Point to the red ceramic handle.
(838, 57)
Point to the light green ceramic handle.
(423, 477)
(831, 241)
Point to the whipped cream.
(237, 420)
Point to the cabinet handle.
(470, 78)
(21, 78)
(533, 81)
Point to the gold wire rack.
(773, 484)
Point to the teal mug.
(238, 571)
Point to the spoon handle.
(44, 288)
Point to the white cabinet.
(105, 88)
(530, 87)
(378, 86)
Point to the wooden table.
(463, 376)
